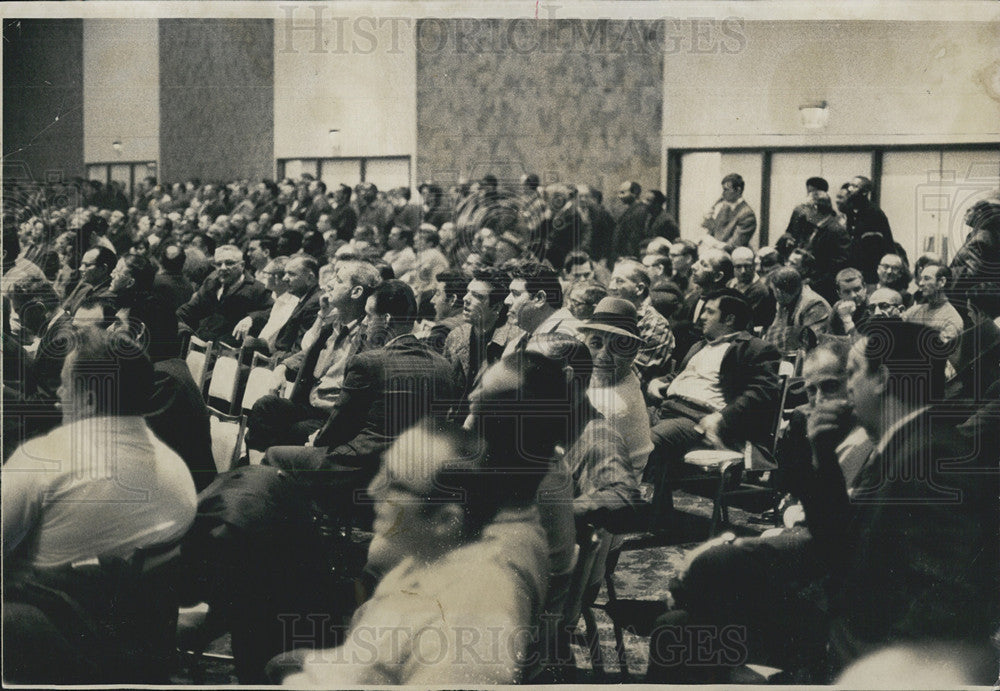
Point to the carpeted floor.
(644, 570)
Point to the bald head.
(744, 265)
(885, 302)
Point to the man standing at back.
(799, 225)
(863, 219)
(731, 221)
(862, 215)
(631, 226)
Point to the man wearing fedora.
(612, 336)
(722, 396)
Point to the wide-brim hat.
(617, 316)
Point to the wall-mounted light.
(117, 146)
(334, 137)
(814, 115)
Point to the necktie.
(326, 355)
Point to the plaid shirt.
(653, 355)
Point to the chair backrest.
(786, 368)
(226, 379)
(756, 461)
(258, 381)
(594, 544)
(228, 432)
(198, 358)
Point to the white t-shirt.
(94, 487)
(281, 312)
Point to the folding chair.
(593, 544)
(198, 359)
(622, 522)
(228, 432)
(226, 379)
(786, 367)
(258, 381)
(729, 464)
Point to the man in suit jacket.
(799, 308)
(34, 411)
(862, 215)
(909, 550)
(731, 221)
(829, 244)
(282, 336)
(481, 340)
(711, 272)
(96, 265)
(912, 544)
(722, 396)
(343, 218)
(223, 300)
(170, 282)
(320, 204)
(563, 227)
(387, 388)
(178, 415)
(318, 368)
(600, 223)
(754, 288)
(631, 226)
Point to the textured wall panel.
(368, 95)
(43, 98)
(121, 89)
(572, 100)
(216, 98)
(884, 82)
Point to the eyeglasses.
(894, 267)
(225, 263)
(828, 387)
(884, 307)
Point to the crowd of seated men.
(479, 381)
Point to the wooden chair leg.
(717, 508)
(619, 635)
(593, 642)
